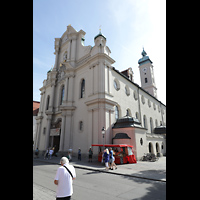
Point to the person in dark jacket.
(90, 154)
(79, 154)
(106, 156)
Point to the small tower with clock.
(147, 74)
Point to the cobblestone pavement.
(40, 192)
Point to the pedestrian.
(36, 153)
(69, 155)
(79, 154)
(106, 156)
(112, 159)
(64, 180)
(90, 154)
(51, 152)
(46, 154)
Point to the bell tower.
(147, 74)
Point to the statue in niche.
(65, 56)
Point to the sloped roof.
(121, 136)
(36, 105)
(160, 130)
(127, 121)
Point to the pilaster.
(38, 132)
(49, 117)
(62, 136)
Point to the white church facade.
(84, 93)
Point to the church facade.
(84, 93)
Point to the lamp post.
(103, 133)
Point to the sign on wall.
(55, 132)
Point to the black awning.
(160, 130)
(121, 136)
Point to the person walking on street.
(64, 180)
(51, 152)
(112, 159)
(79, 154)
(46, 154)
(106, 156)
(90, 154)
(36, 153)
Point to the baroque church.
(84, 94)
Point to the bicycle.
(150, 157)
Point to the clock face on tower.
(145, 69)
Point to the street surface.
(95, 185)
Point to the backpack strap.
(68, 171)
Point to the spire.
(144, 58)
(143, 52)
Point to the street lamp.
(103, 133)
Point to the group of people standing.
(90, 153)
(49, 153)
(107, 156)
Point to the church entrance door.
(56, 143)
(56, 135)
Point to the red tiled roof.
(36, 105)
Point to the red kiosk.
(123, 153)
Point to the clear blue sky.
(128, 25)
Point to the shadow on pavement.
(157, 190)
(94, 172)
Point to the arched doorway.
(150, 148)
(157, 148)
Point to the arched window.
(157, 148)
(81, 125)
(47, 104)
(82, 88)
(62, 94)
(137, 115)
(145, 121)
(156, 122)
(151, 124)
(150, 148)
(128, 112)
(116, 113)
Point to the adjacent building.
(36, 106)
